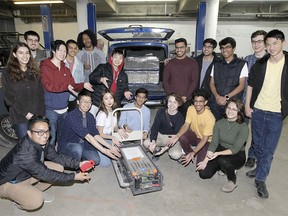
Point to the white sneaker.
(48, 197)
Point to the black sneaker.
(261, 189)
(251, 173)
(250, 162)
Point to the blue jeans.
(81, 151)
(55, 120)
(21, 129)
(266, 129)
(104, 160)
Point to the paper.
(132, 152)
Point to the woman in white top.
(104, 118)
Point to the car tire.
(8, 137)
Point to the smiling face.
(22, 55)
(208, 49)
(181, 49)
(140, 99)
(274, 46)
(60, 54)
(232, 111)
(39, 133)
(172, 104)
(227, 51)
(84, 104)
(199, 104)
(117, 60)
(258, 44)
(72, 49)
(87, 41)
(32, 42)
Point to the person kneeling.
(80, 138)
(227, 149)
(25, 173)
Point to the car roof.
(137, 33)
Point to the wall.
(241, 31)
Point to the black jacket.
(206, 81)
(105, 70)
(22, 97)
(256, 79)
(24, 161)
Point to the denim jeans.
(81, 151)
(266, 129)
(55, 120)
(21, 129)
(104, 160)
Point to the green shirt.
(230, 135)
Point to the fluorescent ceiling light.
(131, 1)
(38, 2)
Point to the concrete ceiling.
(180, 10)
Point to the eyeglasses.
(199, 101)
(257, 42)
(85, 102)
(232, 109)
(41, 132)
(226, 47)
(31, 40)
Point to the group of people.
(204, 118)
(254, 87)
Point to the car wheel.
(8, 137)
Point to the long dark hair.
(241, 109)
(13, 67)
(102, 105)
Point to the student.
(197, 129)
(32, 39)
(205, 62)
(89, 54)
(57, 82)
(111, 76)
(228, 78)
(181, 75)
(104, 118)
(130, 120)
(32, 166)
(23, 91)
(77, 70)
(267, 105)
(167, 122)
(80, 138)
(227, 149)
(258, 46)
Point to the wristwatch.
(227, 97)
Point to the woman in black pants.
(227, 149)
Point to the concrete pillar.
(81, 7)
(211, 18)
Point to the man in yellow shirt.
(197, 129)
(267, 105)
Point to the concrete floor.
(184, 193)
